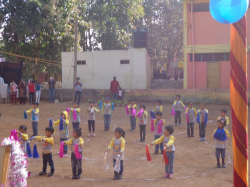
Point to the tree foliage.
(164, 22)
(38, 29)
(110, 23)
(45, 28)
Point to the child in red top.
(32, 88)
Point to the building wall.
(200, 75)
(208, 31)
(209, 37)
(149, 71)
(101, 66)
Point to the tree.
(111, 23)
(164, 23)
(38, 29)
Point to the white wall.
(101, 66)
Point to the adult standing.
(32, 88)
(13, 91)
(114, 88)
(51, 83)
(78, 90)
(22, 92)
(38, 91)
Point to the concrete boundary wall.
(196, 95)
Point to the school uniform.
(118, 146)
(168, 142)
(192, 113)
(48, 143)
(76, 163)
(177, 108)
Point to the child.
(76, 163)
(159, 106)
(34, 118)
(221, 135)
(158, 121)
(118, 145)
(120, 94)
(202, 118)
(107, 110)
(168, 140)
(132, 118)
(223, 113)
(91, 117)
(23, 137)
(47, 150)
(64, 134)
(191, 118)
(178, 104)
(143, 123)
(76, 122)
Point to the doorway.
(213, 75)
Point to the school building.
(132, 68)
(207, 48)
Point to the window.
(81, 62)
(199, 7)
(124, 62)
(210, 57)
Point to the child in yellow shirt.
(23, 137)
(91, 110)
(34, 118)
(178, 104)
(158, 130)
(76, 122)
(131, 116)
(168, 140)
(118, 145)
(47, 150)
(76, 163)
(223, 113)
(64, 131)
(192, 113)
(142, 122)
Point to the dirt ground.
(194, 163)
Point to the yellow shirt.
(118, 146)
(36, 114)
(227, 119)
(24, 136)
(134, 106)
(168, 142)
(158, 108)
(48, 143)
(79, 141)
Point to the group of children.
(163, 136)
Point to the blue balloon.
(228, 11)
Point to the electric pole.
(75, 55)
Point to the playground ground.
(194, 164)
